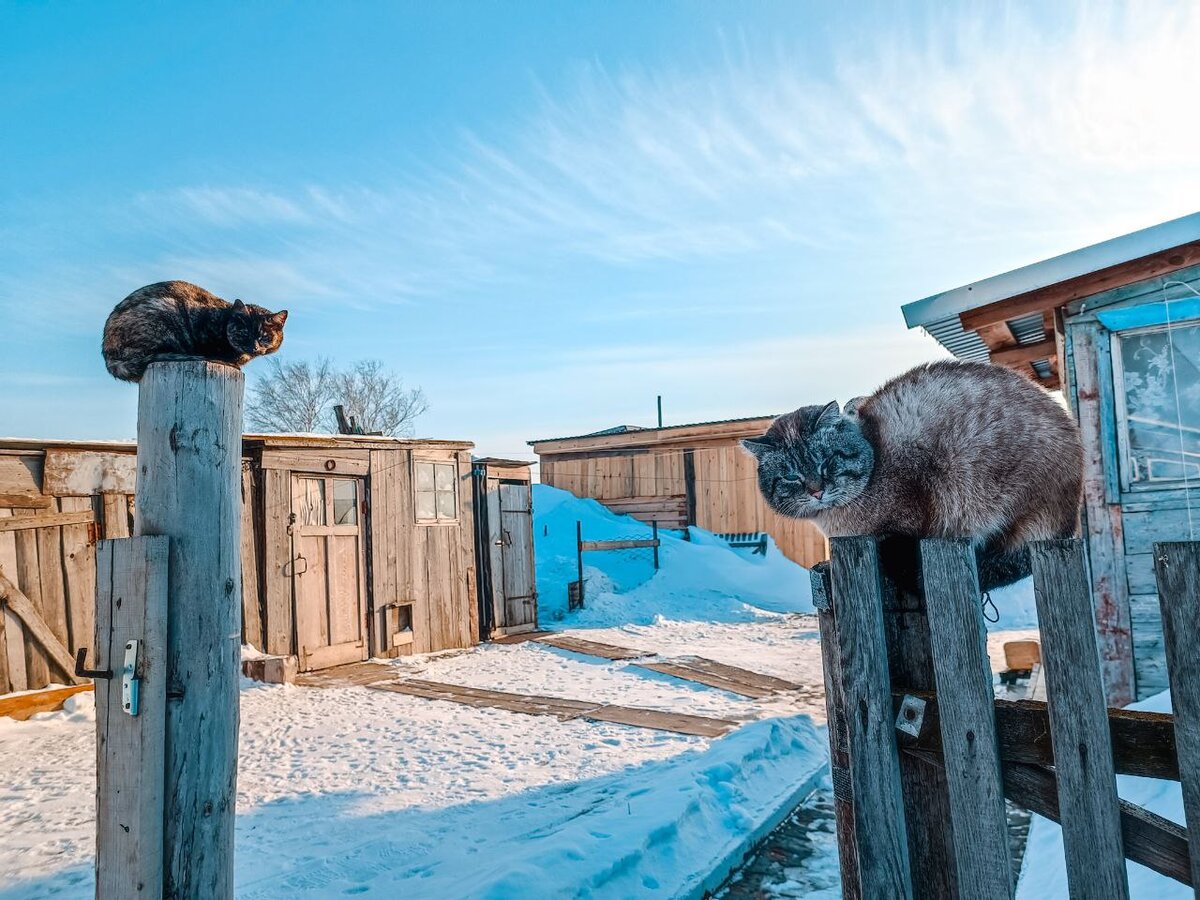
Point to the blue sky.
(547, 213)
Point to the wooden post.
(968, 725)
(839, 742)
(874, 771)
(188, 488)
(1177, 568)
(926, 794)
(1087, 784)
(131, 604)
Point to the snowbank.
(698, 579)
(1044, 873)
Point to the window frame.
(437, 519)
(1125, 468)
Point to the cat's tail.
(998, 568)
(124, 369)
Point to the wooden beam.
(997, 335)
(586, 546)
(1143, 743)
(1149, 839)
(25, 500)
(1056, 295)
(23, 608)
(22, 706)
(1024, 353)
(53, 520)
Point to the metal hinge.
(92, 533)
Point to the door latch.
(130, 683)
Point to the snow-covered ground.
(349, 791)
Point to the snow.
(1044, 873)
(348, 791)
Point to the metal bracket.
(81, 669)
(911, 716)
(130, 683)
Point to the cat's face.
(812, 459)
(254, 330)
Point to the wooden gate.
(328, 571)
(923, 755)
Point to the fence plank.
(1087, 783)
(839, 745)
(131, 604)
(968, 726)
(50, 520)
(875, 768)
(1177, 569)
(12, 634)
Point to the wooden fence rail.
(902, 745)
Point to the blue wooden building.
(1116, 328)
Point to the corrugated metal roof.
(939, 314)
(622, 429)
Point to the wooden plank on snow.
(22, 706)
(590, 648)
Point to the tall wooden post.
(189, 470)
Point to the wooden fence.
(48, 561)
(924, 756)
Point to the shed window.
(345, 502)
(1159, 396)
(435, 491)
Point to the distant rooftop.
(626, 429)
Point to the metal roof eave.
(1084, 261)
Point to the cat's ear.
(239, 306)
(759, 446)
(279, 318)
(851, 407)
(829, 415)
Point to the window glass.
(435, 491)
(1160, 370)
(345, 502)
(309, 501)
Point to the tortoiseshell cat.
(176, 320)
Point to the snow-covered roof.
(628, 429)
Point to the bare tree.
(378, 399)
(300, 396)
(293, 396)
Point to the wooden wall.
(726, 494)
(55, 565)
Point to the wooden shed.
(504, 546)
(678, 475)
(1116, 327)
(352, 546)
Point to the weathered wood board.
(82, 473)
(590, 648)
(714, 674)
(659, 720)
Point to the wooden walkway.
(718, 675)
(565, 710)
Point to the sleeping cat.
(948, 449)
(176, 320)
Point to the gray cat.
(176, 320)
(948, 449)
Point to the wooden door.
(328, 571)
(516, 602)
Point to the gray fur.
(173, 320)
(948, 449)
